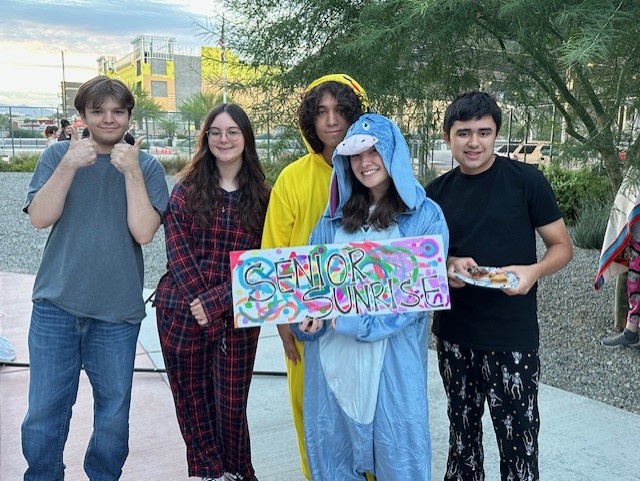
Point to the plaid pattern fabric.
(198, 259)
(209, 368)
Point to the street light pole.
(224, 64)
(64, 88)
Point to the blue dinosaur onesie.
(365, 393)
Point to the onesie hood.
(343, 79)
(373, 130)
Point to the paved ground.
(580, 439)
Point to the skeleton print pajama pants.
(508, 382)
(632, 253)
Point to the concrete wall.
(188, 77)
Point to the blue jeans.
(60, 344)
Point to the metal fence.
(167, 134)
(172, 135)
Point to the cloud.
(36, 31)
(84, 25)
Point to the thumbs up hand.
(81, 153)
(125, 157)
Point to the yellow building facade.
(150, 67)
(170, 77)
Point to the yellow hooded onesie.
(298, 199)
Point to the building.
(170, 75)
(155, 67)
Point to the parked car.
(507, 149)
(533, 152)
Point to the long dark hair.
(348, 102)
(356, 209)
(201, 176)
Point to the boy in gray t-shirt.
(102, 198)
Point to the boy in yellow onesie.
(329, 106)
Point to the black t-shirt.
(492, 217)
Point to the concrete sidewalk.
(580, 439)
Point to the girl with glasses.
(218, 205)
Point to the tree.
(146, 107)
(196, 107)
(5, 121)
(170, 126)
(580, 56)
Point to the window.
(158, 66)
(158, 88)
(504, 149)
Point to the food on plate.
(498, 278)
(477, 273)
(488, 275)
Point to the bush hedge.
(20, 163)
(575, 188)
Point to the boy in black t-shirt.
(488, 341)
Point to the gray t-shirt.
(91, 265)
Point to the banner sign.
(284, 285)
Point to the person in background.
(50, 135)
(217, 206)
(102, 199)
(620, 254)
(66, 130)
(329, 105)
(365, 392)
(487, 343)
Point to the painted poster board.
(285, 285)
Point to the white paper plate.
(484, 282)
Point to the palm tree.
(146, 107)
(170, 125)
(196, 107)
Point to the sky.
(35, 33)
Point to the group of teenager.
(103, 198)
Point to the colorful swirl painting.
(276, 286)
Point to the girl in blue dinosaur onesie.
(365, 392)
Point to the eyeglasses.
(232, 134)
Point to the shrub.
(27, 133)
(573, 186)
(174, 164)
(591, 224)
(429, 174)
(20, 163)
(273, 169)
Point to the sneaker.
(238, 477)
(626, 339)
(213, 479)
